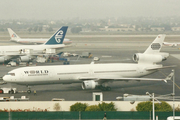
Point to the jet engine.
(25, 58)
(90, 84)
(5, 59)
(2, 59)
(154, 58)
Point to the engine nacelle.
(153, 58)
(2, 59)
(90, 84)
(25, 58)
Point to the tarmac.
(111, 49)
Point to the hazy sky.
(85, 9)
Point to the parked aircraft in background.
(174, 44)
(27, 52)
(93, 75)
(16, 38)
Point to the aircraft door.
(22, 77)
(50, 74)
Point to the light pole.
(152, 96)
(153, 106)
(173, 93)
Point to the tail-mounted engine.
(154, 58)
(4, 59)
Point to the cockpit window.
(12, 74)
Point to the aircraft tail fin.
(156, 45)
(13, 35)
(58, 36)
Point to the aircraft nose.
(6, 78)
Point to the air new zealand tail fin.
(58, 36)
(13, 35)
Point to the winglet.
(13, 35)
(169, 77)
(58, 36)
(165, 81)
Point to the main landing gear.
(11, 91)
(105, 88)
(29, 90)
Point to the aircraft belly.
(51, 80)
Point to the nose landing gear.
(29, 90)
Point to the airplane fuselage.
(15, 50)
(64, 74)
(37, 41)
(27, 53)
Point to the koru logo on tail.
(155, 46)
(59, 36)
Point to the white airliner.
(27, 52)
(93, 75)
(16, 38)
(174, 44)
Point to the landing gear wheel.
(11, 91)
(108, 88)
(29, 91)
(102, 88)
(105, 88)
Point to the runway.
(110, 50)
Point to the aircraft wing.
(159, 67)
(106, 79)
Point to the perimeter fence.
(83, 115)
